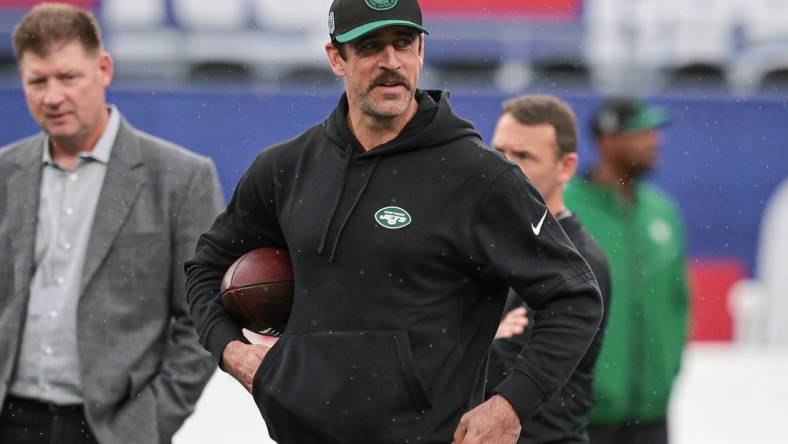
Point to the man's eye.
(369, 46)
(403, 43)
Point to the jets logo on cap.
(608, 122)
(392, 218)
(381, 5)
(331, 22)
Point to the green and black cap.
(627, 114)
(350, 19)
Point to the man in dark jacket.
(405, 234)
(539, 133)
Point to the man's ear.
(422, 40)
(107, 68)
(567, 167)
(335, 60)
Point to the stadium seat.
(140, 14)
(606, 46)
(141, 37)
(763, 45)
(704, 32)
(227, 15)
(278, 14)
(764, 20)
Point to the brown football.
(257, 290)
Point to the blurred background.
(228, 78)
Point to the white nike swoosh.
(538, 228)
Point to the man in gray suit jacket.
(96, 219)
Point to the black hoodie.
(403, 256)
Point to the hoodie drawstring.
(352, 208)
(338, 197)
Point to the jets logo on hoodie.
(392, 218)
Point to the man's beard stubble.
(370, 108)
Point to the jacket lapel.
(122, 184)
(24, 187)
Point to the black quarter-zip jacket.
(403, 256)
(563, 418)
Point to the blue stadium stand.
(622, 44)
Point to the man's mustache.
(390, 78)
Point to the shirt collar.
(103, 148)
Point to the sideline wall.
(722, 158)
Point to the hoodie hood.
(434, 124)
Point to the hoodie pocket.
(360, 386)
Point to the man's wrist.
(228, 354)
(522, 393)
(504, 409)
(224, 332)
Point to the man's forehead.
(633, 134)
(58, 54)
(519, 134)
(508, 120)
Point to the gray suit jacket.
(141, 365)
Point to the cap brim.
(651, 117)
(369, 27)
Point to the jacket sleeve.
(503, 352)
(248, 222)
(517, 242)
(186, 366)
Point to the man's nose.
(389, 58)
(54, 95)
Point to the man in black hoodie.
(405, 234)
(539, 134)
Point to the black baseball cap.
(627, 114)
(350, 19)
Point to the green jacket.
(645, 246)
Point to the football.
(257, 290)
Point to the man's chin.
(387, 108)
(638, 171)
(390, 111)
(387, 98)
(60, 133)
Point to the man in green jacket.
(639, 228)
